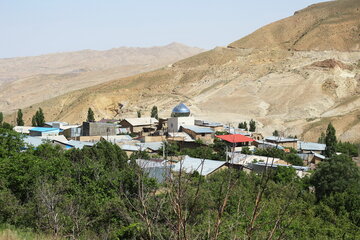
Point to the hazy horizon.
(40, 27)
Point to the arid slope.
(297, 92)
(29, 80)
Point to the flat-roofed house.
(140, 125)
(98, 129)
(307, 147)
(44, 131)
(282, 141)
(204, 134)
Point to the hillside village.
(151, 142)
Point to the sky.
(35, 27)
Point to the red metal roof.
(235, 138)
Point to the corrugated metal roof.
(311, 146)
(269, 144)
(197, 129)
(275, 165)
(141, 121)
(33, 141)
(202, 166)
(133, 148)
(79, 144)
(281, 139)
(155, 146)
(117, 138)
(184, 135)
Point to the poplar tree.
(330, 141)
(154, 112)
(19, 119)
(90, 116)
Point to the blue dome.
(180, 110)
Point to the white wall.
(175, 123)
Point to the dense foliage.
(98, 193)
(154, 112)
(19, 118)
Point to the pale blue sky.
(33, 27)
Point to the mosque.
(180, 116)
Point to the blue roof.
(181, 108)
(197, 129)
(44, 129)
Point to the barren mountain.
(324, 26)
(28, 80)
(292, 89)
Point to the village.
(151, 141)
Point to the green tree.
(38, 120)
(241, 125)
(275, 133)
(284, 174)
(252, 125)
(322, 138)
(19, 118)
(335, 175)
(154, 112)
(1, 118)
(90, 116)
(245, 126)
(138, 114)
(294, 159)
(330, 141)
(33, 121)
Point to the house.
(151, 147)
(158, 169)
(140, 126)
(204, 167)
(44, 131)
(56, 124)
(98, 129)
(284, 142)
(71, 131)
(259, 167)
(204, 134)
(22, 129)
(117, 138)
(216, 127)
(307, 147)
(236, 141)
(32, 141)
(262, 144)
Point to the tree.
(90, 116)
(33, 121)
(241, 125)
(322, 138)
(245, 126)
(19, 119)
(335, 175)
(38, 120)
(1, 118)
(275, 133)
(154, 112)
(294, 159)
(330, 141)
(139, 114)
(252, 125)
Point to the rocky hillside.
(325, 26)
(297, 92)
(29, 80)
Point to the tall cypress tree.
(19, 118)
(33, 120)
(1, 117)
(40, 119)
(154, 112)
(330, 141)
(90, 116)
